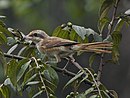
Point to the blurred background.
(27, 15)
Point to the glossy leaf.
(11, 41)
(2, 17)
(94, 96)
(57, 31)
(12, 71)
(5, 91)
(23, 69)
(102, 23)
(3, 29)
(115, 95)
(29, 76)
(28, 52)
(3, 38)
(116, 38)
(91, 59)
(119, 25)
(127, 12)
(81, 96)
(37, 94)
(33, 83)
(12, 49)
(88, 91)
(53, 75)
(74, 79)
(108, 39)
(107, 4)
(81, 31)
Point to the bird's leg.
(68, 60)
(75, 63)
(58, 59)
(54, 60)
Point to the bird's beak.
(27, 37)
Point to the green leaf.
(83, 32)
(33, 83)
(11, 41)
(12, 71)
(29, 76)
(94, 96)
(5, 91)
(60, 32)
(4, 29)
(106, 5)
(91, 59)
(102, 22)
(52, 75)
(29, 79)
(37, 94)
(108, 39)
(22, 70)
(97, 37)
(81, 96)
(115, 95)
(3, 38)
(74, 79)
(127, 12)
(72, 35)
(2, 17)
(119, 25)
(12, 49)
(88, 91)
(28, 52)
(57, 31)
(116, 38)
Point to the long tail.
(98, 47)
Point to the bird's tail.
(98, 47)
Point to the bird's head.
(36, 36)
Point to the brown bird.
(62, 48)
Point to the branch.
(100, 68)
(57, 69)
(109, 32)
(113, 17)
(13, 56)
(79, 67)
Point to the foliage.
(28, 71)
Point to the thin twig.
(14, 56)
(109, 32)
(57, 69)
(100, 68)
(113, 17)
(79, 67)
(41, 77)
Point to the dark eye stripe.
(39, 35)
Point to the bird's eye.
(35, 34)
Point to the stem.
(113, 17)
(100, 68)
(57, 69)
(41, 77)
(14, 56)
(109, 32)
(79, 67)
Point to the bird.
(58, 48)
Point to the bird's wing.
(56, 42)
